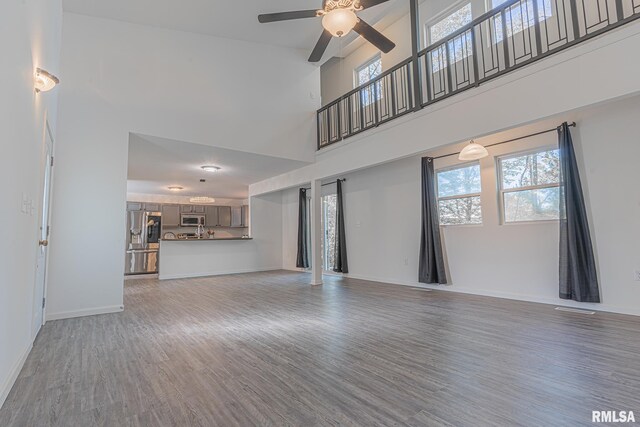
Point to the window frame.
(377, 95)
(489, 7)
(502, 191)
(439, 18)
(460, 196)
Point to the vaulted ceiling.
(230, 19)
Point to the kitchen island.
(193, 257)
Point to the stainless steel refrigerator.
(143, 242)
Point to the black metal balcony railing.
(506, 38)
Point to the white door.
(43, 232)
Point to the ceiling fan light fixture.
(339, 22)
(473, 151)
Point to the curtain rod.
(572, 124)
(326, 183)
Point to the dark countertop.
(195, 239)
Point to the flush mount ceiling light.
(210, 168)
(473, 151)
(175, 188)
(202, 200)
(45, 81)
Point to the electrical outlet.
(637, 276)
(406, 261)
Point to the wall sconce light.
(45, 81)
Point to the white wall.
(207, 258)
(29, 38)
(122, 78)
(519, 261)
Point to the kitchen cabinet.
(152, 207)
(245, 215)
(200, 209)
(211, 216)
(224, 216)
(171, 215)
(236, 216)
(134, 206)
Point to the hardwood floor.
(268, 349)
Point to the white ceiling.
(156, 163)
(231, 19)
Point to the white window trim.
(441, 16)
(365, 64)
(460, 196)
(502, 191)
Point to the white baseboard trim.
(13, 374)
(85, 312)
(216, 273)
(518, 297)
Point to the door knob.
(43, 242)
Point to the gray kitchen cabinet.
(224, 216)
(211, 216)
(152, 207)
(236, 216)
(134, 206)
(245, 215)
(199, 209)
(170, 215)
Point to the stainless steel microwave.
(191, 220)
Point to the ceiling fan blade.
(373, 36)
(321, 46)
(370, 3)
(285, 16)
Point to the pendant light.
(473, 151)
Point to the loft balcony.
(513, 35)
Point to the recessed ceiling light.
(210, 168)
(175, 188)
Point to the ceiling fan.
(338, 19)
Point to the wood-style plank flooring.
(269, 349)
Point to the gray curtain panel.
(302, 260)
(341, 264)
(578, 276)
(431, 268)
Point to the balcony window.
(520, 16)
(365, 73)
(459, 47)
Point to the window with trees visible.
(520, 16)
(460, 47)
(530, 186)
(329, 204)
(364, 74)
(459, 195)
